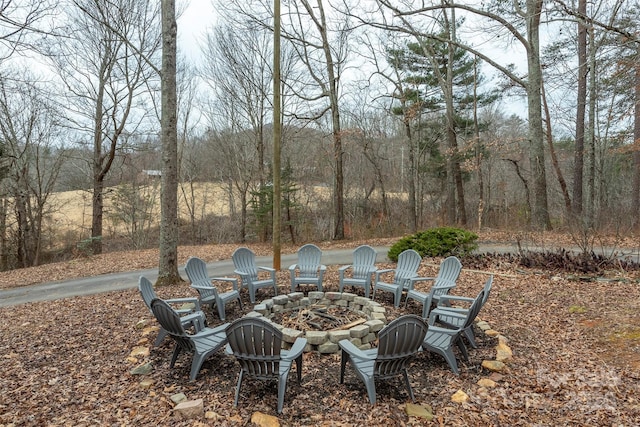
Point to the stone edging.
(326, 341)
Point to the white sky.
(198, 15)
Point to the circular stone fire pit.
(361, 334)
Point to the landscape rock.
(190, 409)
(178, 398)
(139, 352)
(264, 420)
(459, 397)
(143, 369)
(494, 365)
(420, 411)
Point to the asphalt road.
(128, 280)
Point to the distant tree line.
(394, 119)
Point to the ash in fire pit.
(324, 318)
(319, 318)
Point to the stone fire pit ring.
(326, 342)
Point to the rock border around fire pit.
(326, 342)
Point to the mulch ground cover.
(576, 361)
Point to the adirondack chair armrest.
(381, 272)
(354, 351)
(445, 311)
(445, 300)
(342, 268)
(323, 267)
(197, 319)
(204, 288)
(232, 280)
(186, 300)
(443, 330)
(296, 349)
(271, 271)
(413, 280)
(292, 267)
(228, 350)
(213, 331)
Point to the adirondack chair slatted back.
(408, 264)
(487, 290)
(309, 259)
(146, 290)
(170, 321)
(449, 271)
(364, 260)
(474, 309)
(397, 343)
(256, 344)
(196, 270)
(245, 260)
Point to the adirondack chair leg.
(468, 333)
(161, 335)
(451, 360)
(463, 349)
(299, 368)
(343, 364)
(195, 366)
(282, 387)
(240, 377)
(408, 384)
(371, 389)
(174, 357)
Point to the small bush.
(441, 241)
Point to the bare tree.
(104, 66)
(31, 133)
(237, 71)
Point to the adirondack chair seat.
(448, 274)
(431, 298)
(244, 261)
(398, 342)
(257, 346)
(190, 317)
(202, 344)
(196, 270)
(405, 273)
(359, 273)
(445, 309)
(441, 340)
(308, 270)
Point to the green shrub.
(434, 242)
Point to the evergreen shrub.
(436, 242)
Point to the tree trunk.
(540, 211)
(578, 162)
(168, 263)
(636, 149)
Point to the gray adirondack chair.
(244, 261)
(309, 269)
(441, 339)
(360, 271)
(202, 344)
(445, 281)
(188, 316)
(444, 309)
(257, 345)
(398, 342)
(405, 272)
(196, 270)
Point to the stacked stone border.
(326, 342)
